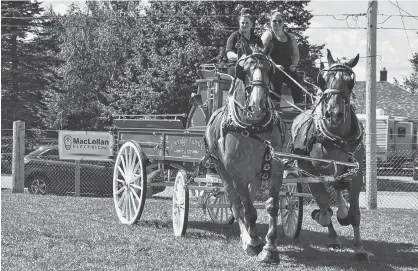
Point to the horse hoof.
(254, 251)
(280, 232)
(343, 221)
(334, 246)
(361, 256)
(269, 257)
(314, 213)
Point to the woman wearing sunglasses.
(284, 52)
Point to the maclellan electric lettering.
(90, 143)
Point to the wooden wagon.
(159, 145)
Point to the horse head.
(253, 98)
(337, 83)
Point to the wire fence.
(45, 173)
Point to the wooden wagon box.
(163, 139)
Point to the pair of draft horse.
(244, 133)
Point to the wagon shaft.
(295, 156)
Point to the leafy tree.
(27, 62)
(176, 37)
(411, 83)
(125, 58)
(96, 45)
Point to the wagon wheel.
(129, 183)
(220, 215)
(291, 210)
(180, 204)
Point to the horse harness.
(317, 132)
(231, 124)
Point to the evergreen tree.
(27, 61)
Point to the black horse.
(332, 131)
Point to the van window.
(401, 131)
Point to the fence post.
(18, 166)
(77, 178)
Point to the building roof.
(394, 100)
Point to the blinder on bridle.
(345, 69)
(258, 57)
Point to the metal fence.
(397, 173)
(45, 173)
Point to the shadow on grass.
(310, 249)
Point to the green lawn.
(67, 233)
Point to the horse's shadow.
(311, 248)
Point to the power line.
(173, 16)
(396, 15)
(415, 17)
(393, 15)
(205, 15)
(236, 27)
(406, 33)
(397, 28)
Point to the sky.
(393, 48)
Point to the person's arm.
(230, 47)
(233, 57)
(295, 55)
(266, 39)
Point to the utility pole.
(371, 172)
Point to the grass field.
(67, 233)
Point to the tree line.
(74, 71)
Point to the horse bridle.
(326, 94)
(258, 83)
(250, 85)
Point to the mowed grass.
(67, 233)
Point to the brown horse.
(332, 131)
(241, 137)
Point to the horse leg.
(254, 187)
(251, 243)
(333, 240)
(270, 253)
(354, 217)
(343, 207)
(321, 195)
(324, 214)
(342, 217)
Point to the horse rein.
(337, 68)
(250, 85)
(256, 83)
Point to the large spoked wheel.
(129, 183)
(291, 210)
(180, 204)
(220, 215)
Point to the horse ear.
(331, 60)
(353, 62)
(321, 66)
(321, 82)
